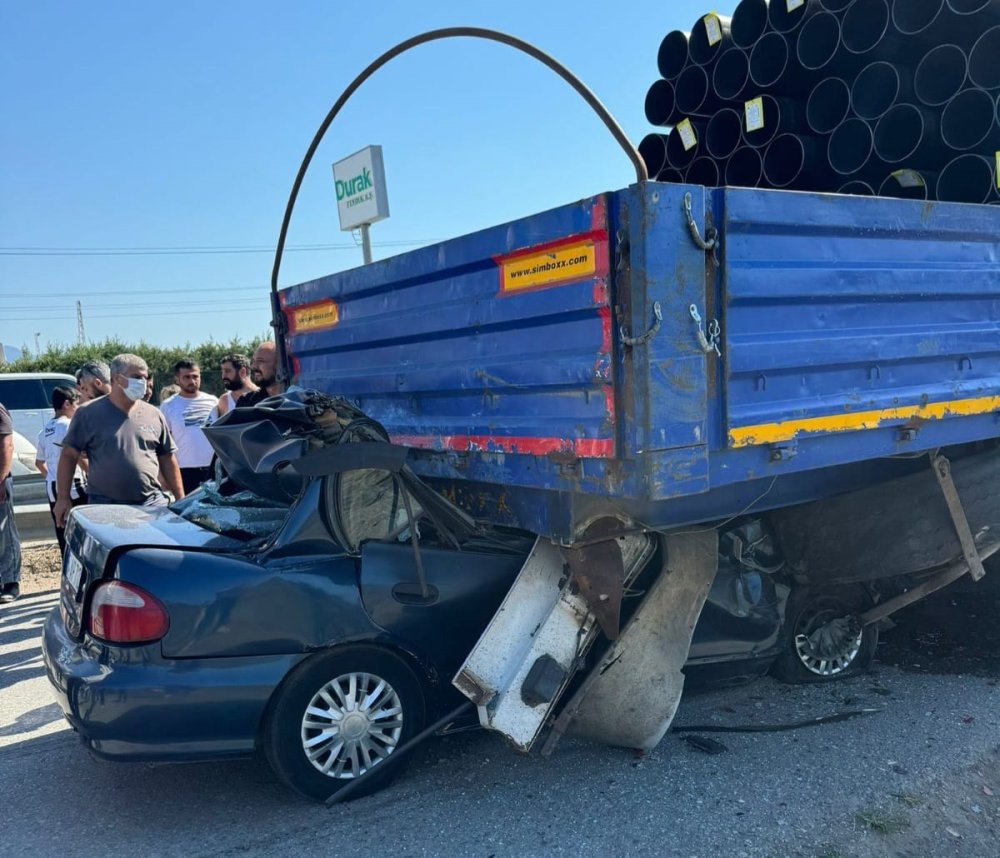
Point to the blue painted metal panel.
(838, 305)
(532, 410)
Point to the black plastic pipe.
(749, 22)
(878, 87)
(775, 68)
(984, 60)
(661, 104)
(679, 153)
(796, 161)
(710, 36)
(940, 75)
(653, 149)
(918, 17)
(745, 168)
(693, 93)
(909, 185)
(673, 54)
(867, 31)
(703, 171)
(967, 179)
(778, 115)
(784, 19)
(851, 147)
(828, 105)
(731, 74)
(819, 41)
(723, 133)
(909, 133)
(857, 188)
(969, 121)
(669, 174)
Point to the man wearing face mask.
(127, 443)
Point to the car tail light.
(126, 614)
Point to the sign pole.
(366, 244)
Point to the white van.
(28, 398)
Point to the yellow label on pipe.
(689, 139)
(713, 28)
(753, 112)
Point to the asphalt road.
(791, 793)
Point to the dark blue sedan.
(315, 602)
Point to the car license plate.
(74, 572)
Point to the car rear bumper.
(129, 703)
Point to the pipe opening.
(731, 74)
(673, 54)
(818, 41)
(679, 153)
(828, 105)
(781, 19)
(769, 59)
(703, 171)
(875, 90)
(653, 150)
(905, 185)
(865, 23)
(691, 90)
(850, 146)
(661, 103)
(940, 75)
(966, 179)
(669, 174)
(984, 60)
(722, 136)
(784, 160)
(968, 119)
(709, 34)
(745, 168)
(914, 16)
(899, 133)
(749, 22)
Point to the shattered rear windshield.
(243, 515)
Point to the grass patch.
(880, 822)
(908, 798)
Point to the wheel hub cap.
(351, 724)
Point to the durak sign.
(361, 192)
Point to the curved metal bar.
(434, 35)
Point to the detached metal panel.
(844, 315)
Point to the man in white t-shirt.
(186, 415)
(48, 449)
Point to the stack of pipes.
(897, 98)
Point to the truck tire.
(339, 714)
(806, 657)
(895, 528)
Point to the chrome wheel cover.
(825, 660)
(351, 724)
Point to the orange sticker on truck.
(314, 317)
(548, 266)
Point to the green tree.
(160, 360)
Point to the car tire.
(849, 651)
(305, 739)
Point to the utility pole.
(38, 348)
(81, 338)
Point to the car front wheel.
(340, 715)
(822, 640)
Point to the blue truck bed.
(526, 364)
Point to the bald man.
(263, 373)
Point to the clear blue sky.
(130, 127)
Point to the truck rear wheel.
(822, 641)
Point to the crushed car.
(316, 598)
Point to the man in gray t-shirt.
(127, 444)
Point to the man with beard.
(186, 415)
(235, 370)
(93, 380)
(264, 372)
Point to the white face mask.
(135, 389)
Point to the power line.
(194, 250)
